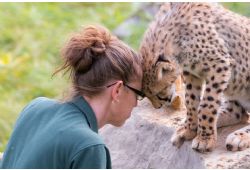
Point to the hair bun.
(86, 46)
(98, 47)
(98, 38)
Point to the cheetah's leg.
(209, 108)
(189, 129)
(231, 113)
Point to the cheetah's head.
(160, 68)
(159, 75)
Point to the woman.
(106, 81)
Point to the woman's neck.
(100, 106)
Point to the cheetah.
(210, 46)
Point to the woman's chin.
(118, 124)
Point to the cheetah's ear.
(162, 58)
(163, 70)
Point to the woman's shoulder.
(37, 102)
(85, 136)
(40, 100)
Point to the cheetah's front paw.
(181, 134)
(238, 141)
(204, 144)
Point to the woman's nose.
(136, 102)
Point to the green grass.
(31, 37)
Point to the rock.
(144, 142)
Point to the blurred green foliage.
(238, 7)
(31, 37)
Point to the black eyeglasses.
(139, 94)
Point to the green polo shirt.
(49, 134)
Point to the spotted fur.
(210, 47)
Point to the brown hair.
(94, 57)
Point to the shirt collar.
(86, 109)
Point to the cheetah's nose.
(229, 147)
(159, 106)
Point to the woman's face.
(126, 101)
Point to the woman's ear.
(116, 91)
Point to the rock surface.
(144, 142)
